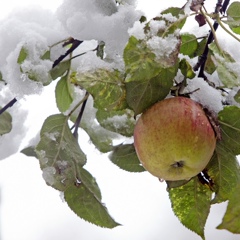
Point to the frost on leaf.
(59, 149)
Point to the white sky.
(30, 210)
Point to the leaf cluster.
(106, 101)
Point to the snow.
(207, 96)
(48, 175)
(87, 20)
(36, 29)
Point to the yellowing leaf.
(106, 87)
(191, 204)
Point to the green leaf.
(191, 204)
(121, 122)
(186, 69)
(29, 151)
(59, 153)
(231, 220)
(229, 119)
(106, 87)
(87, 206)
(125, 157)
(143, 94)
(46, 55)
(178, 24)
(224, 170)
(189, 44)
(22, 55)
(140, 62)
(233, 11)
(63, 95)
(225, 67)
(60, 69)
(233, 17)
(237, 96)
(5, 123)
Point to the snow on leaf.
(121, 122)
(107, 88)
(5, 123)
(224, 170)
(59, 149)
(125, 157)
(231, 220)
(227, 68)
(142, 94)
(63, 94)
(88, 207)
(191, 204)
(139, 61)
(229, 119)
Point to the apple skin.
(174, 139)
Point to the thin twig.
(79, 118)
(8, 105)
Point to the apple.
(174, 139)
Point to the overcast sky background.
(30, 210)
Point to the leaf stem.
(225, 29)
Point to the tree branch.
(8, 105)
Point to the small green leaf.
(29, 151)
(229, 119)
(237, 96)
(125, 157)
(46, 55)
(5, 123)
(59, 153)
(231, 220)
(106, 87)
(178, 24)
(142, 94)
(224, 170)
(225, 68)
(22, 55)
(186, 69)
(87, 206)
(189, 44)
(63, 95)
(191, 204)
(60, 69)
(121, 122)
(1, 76)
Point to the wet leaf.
(29, 151)
(191, 204)
(186, 69)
